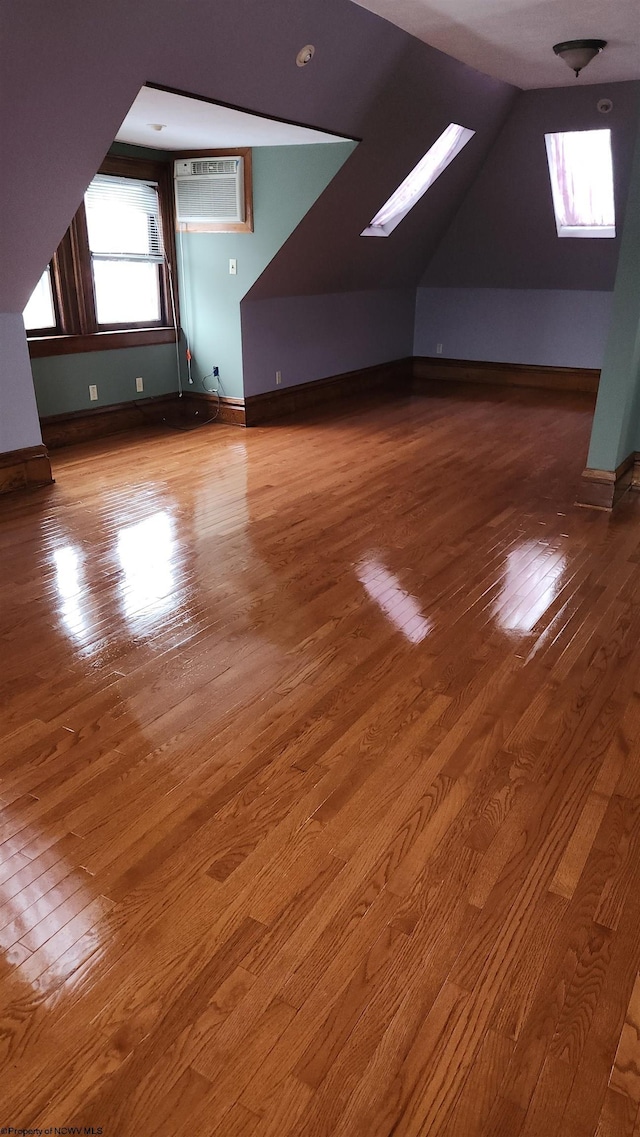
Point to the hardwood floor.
(320, 781)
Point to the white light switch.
(233, 266)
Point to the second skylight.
(429, 168)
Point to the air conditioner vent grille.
(214, 166)
(209, 190)
(203, 199)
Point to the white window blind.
(125, 239)
(123, 219)
(409, 192)
(581, 172)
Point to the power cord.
(213, 389)
(210, 389)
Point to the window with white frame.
(416, 184)
(581, 172)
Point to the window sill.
(586, 230)
(41, 346)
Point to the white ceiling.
(513, 39)
(189, 124)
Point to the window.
(581, 172)
(429, 168)
(108, 284)
(125, 244)
(40, 313)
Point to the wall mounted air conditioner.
(209, 190)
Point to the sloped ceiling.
(504, 234)
(426, 92)
(71, 71)
(513, 39)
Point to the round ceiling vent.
(604, 106)
(305, 55)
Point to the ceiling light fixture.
(157, 125)
(578, 52)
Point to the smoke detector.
(305, 55)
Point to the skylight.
(443, 151)
(581, 170)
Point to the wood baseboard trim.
(428, 368)
(401, 377)
(25, 469)
(412, 375)
(269, 406)
(230, 411)
(87, 426)
(602, 489)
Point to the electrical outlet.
(278, 377)
(438, 349)
(139, 383)
(233, 266)
(93, 392)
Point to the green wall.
(62, 381)
(286, 182)
(616, 430)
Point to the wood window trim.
(43, 346)
(73, 284)
(245, 226)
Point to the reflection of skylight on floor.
(67, 574)
(146, 552)
(418, 181)
(52, 920)
(532, 577)
(398, 606)
(581, 171)
(72, 592)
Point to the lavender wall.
(504, 235)
(312, 337)
(501, 285)
(19, 425)
(552, 328)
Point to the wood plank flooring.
(320, 781)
